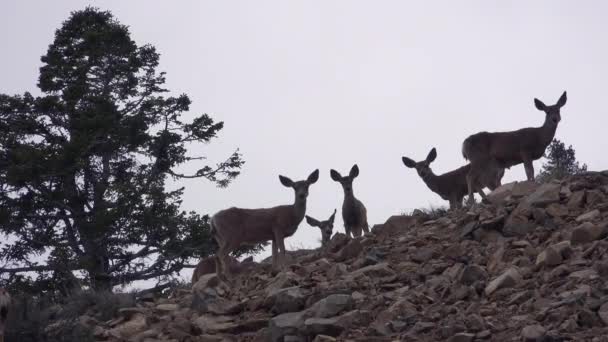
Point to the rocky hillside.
(531, 267)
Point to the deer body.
(452, 186)
(511, 148)
(354, 213)
(5, 301)
(235, 227)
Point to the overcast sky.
(303, 85)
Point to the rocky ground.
(531, 267)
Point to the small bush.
(33, 319)
(431, 213)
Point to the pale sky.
(303, 85)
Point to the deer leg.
(279, 248)
(529, 169)
(221, 268)
(282, 253)
(471, 198)
(347, 231)
(275, 253)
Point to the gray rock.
(462, 337)
(509, 278)
(588, 216)
(331, 306)
(533, 333)
(472, 274)
(378, 270)
(324, 326)
(587, 232)
(290, 299)
(291, 323)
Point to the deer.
(452, 186)
(515, 147)
(208, 265)
(234, 227)
(326, 227)
(354, 213)
(5, 301)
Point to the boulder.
(509, 278)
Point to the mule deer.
(234, 227)
(511, 148)
(354, 213)
(208, 265)
(5, 301)
(452, 186)
(326, 227)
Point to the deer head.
(326, 226)
(553, 116)
(346, 181)
(423, 167)
(300, 187)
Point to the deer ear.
(314, 177)
(354, 171)
(408, 162)
(286, 181)
(335, 175)
(539, 104)
(431, 156)
(562, 100)
(311, 221)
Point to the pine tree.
(561, 162)
(84, 167)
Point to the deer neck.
(349, 197)
(547, 132)
(299, 209)
(431, 181)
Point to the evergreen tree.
(84, 167)
(561, 162)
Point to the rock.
(289, 299)
(525, 188)
(509, 278)
(588, 216)
(337, 241)
(167, 307)
(281, 281)
(374, 271)
(472, 274)
(136, 324)
(603, 313)
(554, 254)
(462, 337)
(557, 210)
(502, 193)
(396, 224)
(587, 232)
(533, 333)
(325, 326)
(350, 251)
(324, 338)
(543, 195)
(577, 199)
(213, 324)
(331, 306)
(422, 255)
(291, 323)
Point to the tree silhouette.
(84, 167)
(561, 162)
